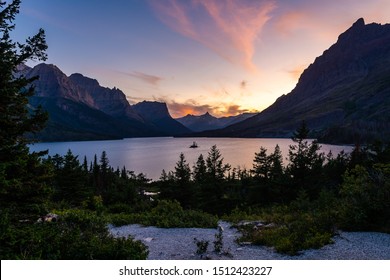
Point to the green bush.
(365, 199)
(78, 234)
(118, 208)
(167, 214)
(247, 214)
(299, 226)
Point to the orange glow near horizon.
(224, 57)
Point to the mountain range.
(80, 108)
(343, 96)
(209, 122)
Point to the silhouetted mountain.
(344, 96)
(111, 101)
(157, 114)
(209, 122)
(80, 109)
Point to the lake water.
(151, 155)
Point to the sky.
(224, 57)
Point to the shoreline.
(178, 244)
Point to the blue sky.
(221, 56)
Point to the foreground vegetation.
(299, 205)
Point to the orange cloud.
(177, 109)
(297, 71)
(190, 106)
(290, 21)
(228, 27)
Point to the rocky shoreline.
(178, 244)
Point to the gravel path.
(178, 243)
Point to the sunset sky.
(221, 56)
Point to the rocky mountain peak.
(343, 95)
(157, 113)
(84, 81)
(359, 24)
(156, 109)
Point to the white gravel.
(178, 243)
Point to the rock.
(245, 243)
(254, 223)
(48, 218)
(148, 239)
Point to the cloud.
(193, 107)
(297, 71)
(150, 79)
(243, 84)
(190, 106)
(233, 110)
(290, 21)
(229, 28)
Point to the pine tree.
(15, 119)
(215, 169)
(261, 164)
(276, 164)
(23, 176)
(199, 173)
(71, 180)
(182, 171)
(306, 161)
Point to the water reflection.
(151, 155)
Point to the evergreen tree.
(276, 164)
(23, 176)
(200, 170)
(212, 191)
(124, 173)
(306, 162)
(182, 171)
(182, 186)
(71, 181)
(261, 164)
(215, 169)
(85, 165)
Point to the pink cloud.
(291, 20)
(150, 79)
(229, 28)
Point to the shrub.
(201, 246)
(167, 214)
(78, 234)
(365, 199)
(299, 226)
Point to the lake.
(151, 155)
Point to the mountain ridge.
(80, 108)
(338, 95)
(208, 121)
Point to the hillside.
(344, 95)
(80, 108)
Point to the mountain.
(80, 109)
(157, 114)
(344, 95)
(209, 122)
